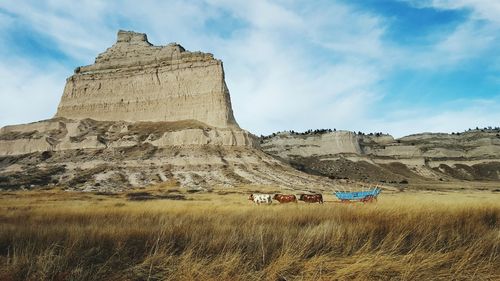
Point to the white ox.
(261, 198)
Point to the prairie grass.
(417, 236)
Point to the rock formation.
(285, 144)
(142, 114)
(136, 81)
(472, 155)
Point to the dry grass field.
(56, 235)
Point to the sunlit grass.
(407, 236)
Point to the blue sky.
(395, 66)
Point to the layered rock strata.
(61, 134)
(473, 155)
(94, 155)
(136, 81)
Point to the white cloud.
(349, 32)
(275, 80)
(262, 14)
(288, 66)
(460, 44)
(75, 27)
(469, 40)
(27, 91)
(482, 9)
(478, 34)
(82, 29)
(278, 80)
(455, 116)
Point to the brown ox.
(285, 198)
(311, 198)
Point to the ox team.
(258, 198)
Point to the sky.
(392, 66)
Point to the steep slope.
(473, 155)
(109, 155)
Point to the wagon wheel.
(368, 199)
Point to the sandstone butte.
(136, 81)
(142, 114)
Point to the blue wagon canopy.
(358, 195)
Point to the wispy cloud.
(289, 65)
(26, 91)
(481, 9)
(478, 35)
(454, 116)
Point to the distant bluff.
(136, 81)
(417, 159)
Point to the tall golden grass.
(227, 238)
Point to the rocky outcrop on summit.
(472, 155)
(136, 81)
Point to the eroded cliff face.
(61, 134)
(288, 145)
(136, 81)
(95, 155)
(473, 155)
